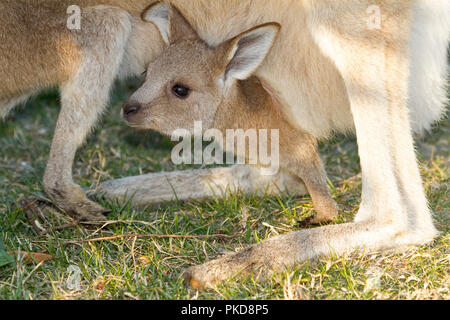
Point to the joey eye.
(181, 91)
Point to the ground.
(148, 264)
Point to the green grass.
(150, 268)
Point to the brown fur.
(251, 107)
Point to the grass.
(150, 268)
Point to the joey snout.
(132, 112)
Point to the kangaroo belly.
(314, 94)
(429, 65)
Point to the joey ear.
(245, 53)
(159, 14)
(170, 22)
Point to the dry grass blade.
(150, 235)
(31, 257)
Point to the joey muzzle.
(131, 110)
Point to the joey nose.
(131, 108)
